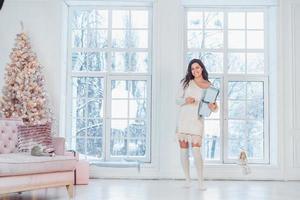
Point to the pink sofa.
(21, 171)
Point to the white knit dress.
(190, 126)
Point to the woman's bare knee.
(184, 144)
(196, 144)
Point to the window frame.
(226, 77)
(108, 75)
(148, 119)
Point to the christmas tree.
(24, 95)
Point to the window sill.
(117, 164)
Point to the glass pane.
(138, 89)
(214, 20)
(234, 148)
(139, 62)
(255, 130)
(120, 19)
(95, 108)
(119, 89)
(120, 38)
(137, 108)
(118, 143)
(80, 145)
(195, 39)
(94, 148)
(89, 61)
(120, 61)
(118, 147)
(255, 110)
(195, 19)
(255, 149)
(137, 147)
(137, 128)
(119, 108)
(79, 127)
(97, 39)
(95, 87)
(212, 128)
(98, 19)
(255, 39)
(213, 62)
(236, 39)
(255, 90)
(236, 20)
(211, 147)
(79, 87)
(191, 55)
(139, 19)
(256, 140)
(79, 38)
(237, 90)
(90, 18)
(119, 129)
(255, 20)
(255, 63)
(237, 129)
(213, 39)
(236, 63)
(80, 18)
(95, 128)
(78, 108)
(236, 109)
(89, 39)
(139, 38)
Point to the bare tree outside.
(126, 48)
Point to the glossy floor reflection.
(106, 189)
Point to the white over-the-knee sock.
(199, 166)
(185, 162)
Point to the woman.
(190, 127)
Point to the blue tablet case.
(210, 96)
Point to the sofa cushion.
(13, 164)
(8, 134)
(32, 135)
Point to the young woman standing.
(190, 127)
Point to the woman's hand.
(213, 106)
(190, 100)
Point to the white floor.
(105, 189)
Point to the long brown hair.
(189, 76)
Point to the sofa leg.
(70, 189)
(4, 197)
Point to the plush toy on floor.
(243, 162)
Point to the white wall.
(289, 73)
(43, 22)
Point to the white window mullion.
(266, 122)
(108, 120)
(223, 118)
(225, 125)
(108, 91)
(246, 49)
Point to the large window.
(232, 45)
(109, 76)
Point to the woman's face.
(196, 70)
